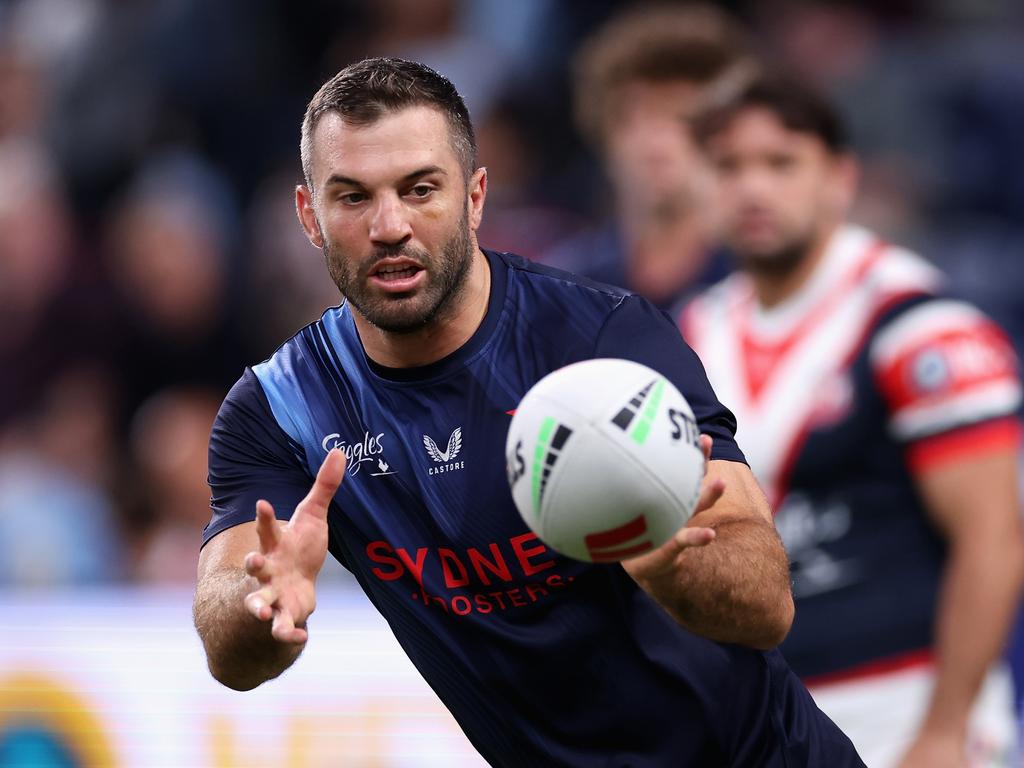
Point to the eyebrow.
(337, 178)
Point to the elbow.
(234, 678)
(777, 619)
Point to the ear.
(477, 194)
(307, 215)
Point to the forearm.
(980, 593)
(240, 651)
(735, 589)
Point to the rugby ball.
(603, 460)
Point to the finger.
(284, 630)
(328, 478)
(709, 495)
(266, 526)
(257, 566)
(259, 603)
(705, 447)
(693, 537)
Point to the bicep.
(974, 493)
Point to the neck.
(773, 288)
(452, 328)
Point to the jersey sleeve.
(950, 382)
(638, 331)
(251, 458)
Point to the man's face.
(778, 190)
(393, 214)
(650, 156)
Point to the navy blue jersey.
(864, 378)
(543, 660)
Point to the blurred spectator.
(58, 526)
(51, 314)
(428, 31)
(168, 256)
(516, 142)
(169, 438)
(637, 80)
(285, 285)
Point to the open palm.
(291, 555)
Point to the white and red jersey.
(864, 377)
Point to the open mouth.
(389, 273)
(397, 275)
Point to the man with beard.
(881, 417)
(663, 660)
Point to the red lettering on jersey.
(415, 567)
(535, 591)
(374, 551)
(461, 605)
(483, 605)
(518, 546)
(497, 566)
(448, 559)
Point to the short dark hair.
(363, 92)
(794, 102)
(660, 43)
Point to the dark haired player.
(880, 415)
(663, 660)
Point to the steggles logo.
(357, 454)
(445, 458)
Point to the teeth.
(395, 268)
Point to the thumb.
(328, 479)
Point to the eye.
(421, 190)
(352, 198)
(726, 164)
(782, 162)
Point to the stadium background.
(148, 251)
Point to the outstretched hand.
(291, 555)
(663, 559)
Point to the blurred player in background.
(881, 417)
(636, 78)
(662, 660)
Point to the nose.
(390, 222)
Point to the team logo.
(371, 449)
(930, 371)
(445, 458)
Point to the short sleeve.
(251, 458)
(949, 378)
(638, 331)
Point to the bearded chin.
(430, 305)
(779, 262)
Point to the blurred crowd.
(149, 251)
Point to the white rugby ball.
(603, 460)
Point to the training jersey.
(868, 375)
(543, 660)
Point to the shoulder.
(595, 252)
(714, 305)
(548, 294)
(895, 272)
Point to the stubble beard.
(777, 263)
(430, 304)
